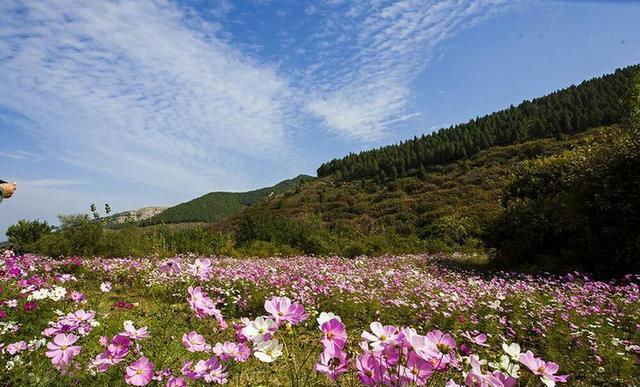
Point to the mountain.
(440, 191)
(135, 215)
(596, 102)
(215, 206)
(451, 202)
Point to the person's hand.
(8, 189)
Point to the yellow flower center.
(64, 347)
(383, 338)
(139, 372)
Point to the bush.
(581, 208)
(26, 232)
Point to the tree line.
(595, 102)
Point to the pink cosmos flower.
(203, 306)
(417, 370)
(140, 372)
(77, 296)
(480, 378)
(201, 268)
(133, 333)
(545, 370)
(194, 342)
(382, 335)
(215, 372)
(370, 371)
(282, 309)
(62, 350)
(334, 333)
(30, 305)
(189, 370)
(176, 381)
(239, 352)
(476, 338)
(333, 362)
(435, 347)
(14, 348)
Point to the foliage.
(215, 206)
(587, 327)
(26, 232)
(582, 206)
(593, 103)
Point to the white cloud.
(370, 55)
(141, 90)
(21, 155)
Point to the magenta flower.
(133, 333)
(382, 335)
(282, 309)
(62, 350)
(194, 342)
(215, 372)
(176, 381)
(417, 370)
(14, 348)
(230, 350)
(140, 372)
(77, 296)
(476, 338)
(189, 370)
(201, 268)
(203, 306)
(435, 347)
(370, 371)
(30, 305)
(333, 362)
(335, 333)
(545, 370)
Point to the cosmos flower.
(417, 370)
(282, 309)
(335, 333)
(545, 370)
(333, 362)
(382, 335)
(62, 350)
(105, 287)
(327, 316)
(140, 372)
(133, 333)
(194, 342)
(259, 329)
(268, 351)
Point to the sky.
(141, 103)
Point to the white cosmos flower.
(327, 316)
(268, 351)
(513, 350)
(506, 366)
(256, 329)
(105, 286)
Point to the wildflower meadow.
(310, 321)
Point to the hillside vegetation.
(215, 206)
(596, 102)
(541, 191)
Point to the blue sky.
(156, 102)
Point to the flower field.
(307, 321)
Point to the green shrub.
(26, 232)
(581, 207)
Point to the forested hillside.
(215, 206)
(448, 207)
(593, 103)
